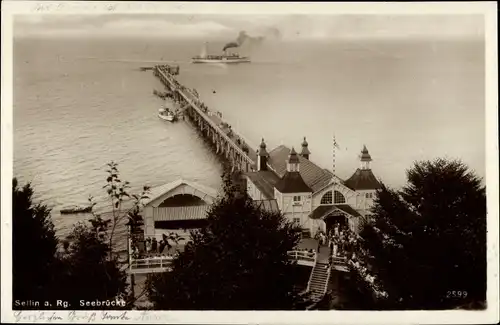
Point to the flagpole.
(333, 161)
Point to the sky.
(287, 27)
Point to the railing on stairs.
(328, 274)
(339, 263)
(303, 257)
(325, 287)
(312, 272)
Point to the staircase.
(318, 282)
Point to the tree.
(88, 267)
(428, 240)
(237, 262)
(89, 273)
(34, 247)
(93, 267)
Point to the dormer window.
(297, 199)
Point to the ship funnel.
(203, 53)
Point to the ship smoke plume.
(242, 37)
(272, 33)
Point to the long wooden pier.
(226, 141)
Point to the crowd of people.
(340, 240)
(343, 242)
(368, 278)
(150, 247)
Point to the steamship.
(224, 58)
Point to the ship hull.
(170, 118)
(230, 61)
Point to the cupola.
(305, 150)
(365, 158)
(292, 164)
(262, 156)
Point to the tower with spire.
(363, 181)
(365, 159)
(262, 156)
(293, 195)
(293, 163)
(305, 150)
(292, 182)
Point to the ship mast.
(203, 53)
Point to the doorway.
(336, 217)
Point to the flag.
(335, 143)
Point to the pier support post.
(240, 162)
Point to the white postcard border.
(488, 9)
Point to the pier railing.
(339, 263)
(164, 264)
(190, 98)
(340, 260)
(303, 257)
(151, 264)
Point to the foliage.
(88, 271)
(93, 247)
(237, 262)
(428, 240)
(125, 212)
(85, 268)
(118, 192)
(34, 247)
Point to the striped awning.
(197, 212)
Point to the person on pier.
(154, 245)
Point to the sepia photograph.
(203, 157)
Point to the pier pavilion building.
(309, 195)
(182, 205)
(178, 205)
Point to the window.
(297, 200)
(338, 198)
(327, 198)
(369, 195)
(296, 221)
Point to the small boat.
(76, 209)
(162, 95)
(166, 114)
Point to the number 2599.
(456, 294)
